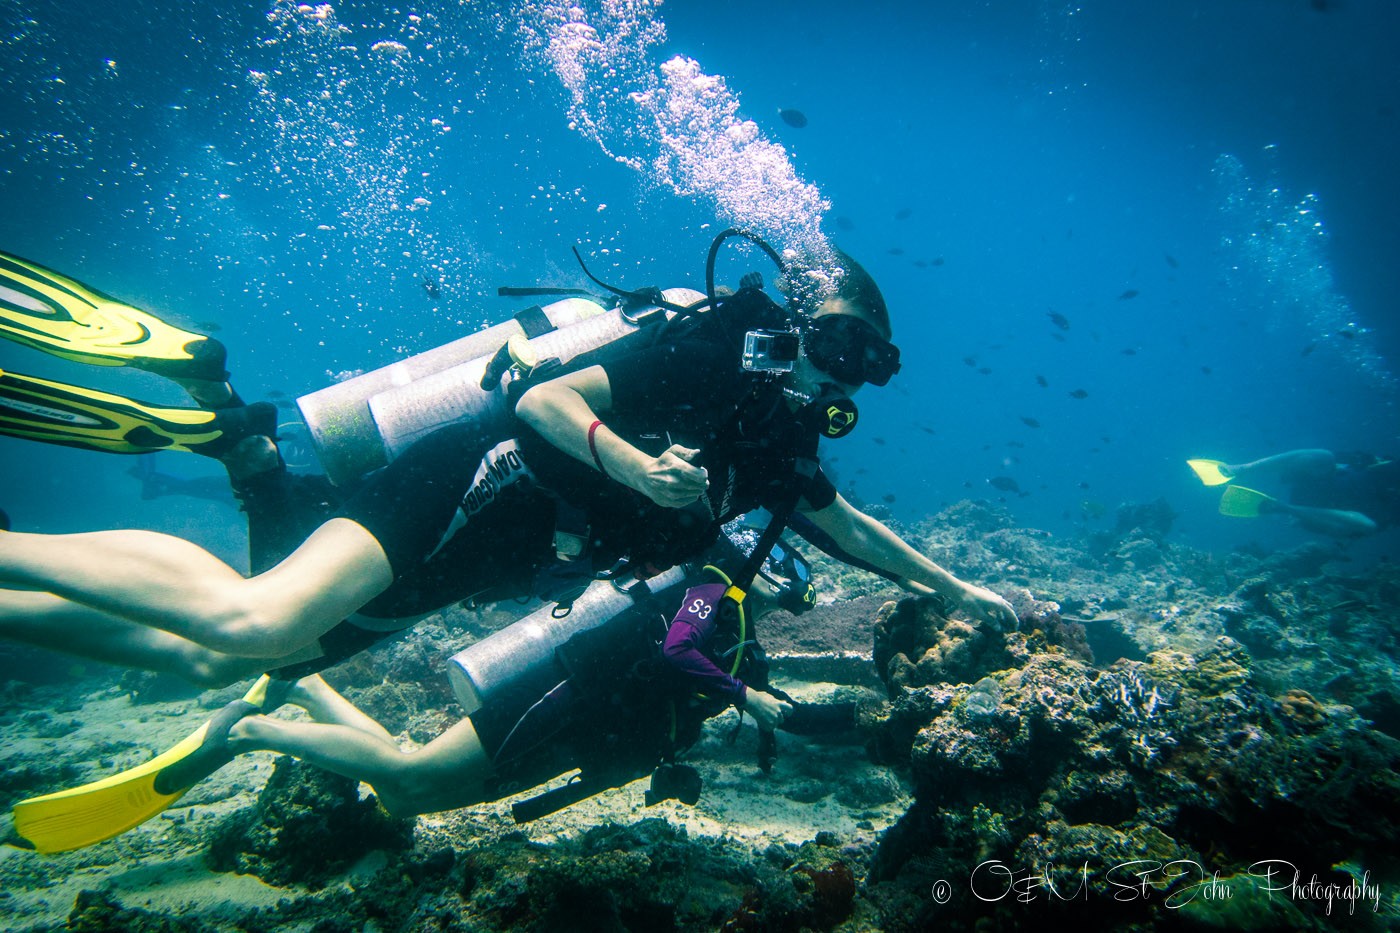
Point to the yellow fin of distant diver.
(95, 812)
(59, 315)
(1243, 502)
(1211, 472)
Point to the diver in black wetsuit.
(690, 440)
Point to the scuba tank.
(440, 386)
(521, 659)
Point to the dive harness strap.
(805, 467)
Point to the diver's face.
(807, 377)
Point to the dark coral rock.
(916, 645)
(95, 912)
(308, 826)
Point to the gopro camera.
(770, 351)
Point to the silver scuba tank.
(359, 425)
(520, 660)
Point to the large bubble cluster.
(1276, 259)
(673, 122)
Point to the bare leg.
(51, 622)
(444, 774)
(1289, 466)
(167, 583)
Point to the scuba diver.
(1342, 496)
(616, 701)
(713, 409)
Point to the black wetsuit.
(461, 512)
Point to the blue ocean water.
(1113, 236)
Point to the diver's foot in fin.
(1243, 502)
(59, 315)
(82, 816)
(1212, 472)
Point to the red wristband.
(593, 447)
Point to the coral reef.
(309, 825)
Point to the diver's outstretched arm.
(445, 774)
(167, 583)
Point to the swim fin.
(73, 416)
(1243, 502)
(51, 312)
(95, 812)
(1212, 472)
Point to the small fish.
(936, 261)
(1129, 351)
(1058, 319)
(793, 118)
(431, 288)
(880, 441)
(1206, 370)
(1079, 393)
(1016, 444)
(888, 498)
(276, 393)
(1005, 484)
(896, 251)
(904, 213)
(845, 223)
(925, 428)
(970, 360)
(1308, 349)
(1042, 381)
(1171, 260)
(1130, 293)
(1347, 334)
(1083, 484)
(985, 370)
(1056, 335)
(1029, 422)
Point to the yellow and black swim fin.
(59, 315)
(95, 812)
(1212, 472)
(1243, 502)
(73, 416)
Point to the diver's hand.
(672, 480)
(987, 606)
(767, 710)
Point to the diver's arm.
(564, 411)
(870, 541)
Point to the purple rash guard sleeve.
(691, 629)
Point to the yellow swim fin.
(73, 416)
(51, 312)
(1243, 502)
(95, 812)
(1211, 472)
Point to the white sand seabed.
(160, 866)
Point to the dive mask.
(788, 572)
(850, 351)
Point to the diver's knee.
(214, 670)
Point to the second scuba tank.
(520, 660)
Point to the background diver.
(1343, 496)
